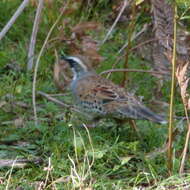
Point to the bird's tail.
(139, 111)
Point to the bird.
(99, 97)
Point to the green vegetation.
(79, 158)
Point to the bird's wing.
(108, 93)
(101, 89)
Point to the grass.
(71, 157)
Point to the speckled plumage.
(100, 97)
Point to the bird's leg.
(133, 126)
(119, 122)
(131, 123)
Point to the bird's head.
(77, 65)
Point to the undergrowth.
(79, 158)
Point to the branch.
(34, 34)
(50, 98)
(183, 81)
(135, 36)
(125, 4)
(133, 70)
(13, 18)
(54, 99)
(129, 37)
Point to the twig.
(37, 64)
(9, 178)
(91, 144)
(48, 169)
(18, 163)
(40, 185)
(133, 70)
(171, 115)
(71, 107)
(13, 18)
(184, 154)
(54, 99)
(125, 4)
(133, 38)
(34, 34)
(60, 94)
(87, 164)
(132, 49)
(143, 43)
(181, 170)
(127, 51)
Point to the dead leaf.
(34, 3)
(19, 122)
(74, 6)
(90, 49)
(21, 104)
(188, 104)
(68, 11)
(1, 180)
(49, 3)
(85, 26)
(138, 2)
(74, 48)
(2, 103)
(183, 81)
(62, 75)
(125, 160)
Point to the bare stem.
(135, 37)
(133, 70)
(13, 18)
(36, 67)
(34, 34)
(50, 98)
(184, 154)
(125, 3)
(181, 170)
(170, 127)
(131, 30)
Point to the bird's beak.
(64, 57)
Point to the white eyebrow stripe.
(76, 59)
